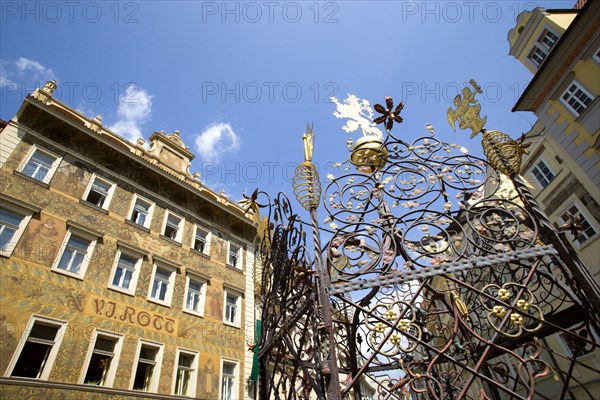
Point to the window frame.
(51, 170)
(567, 348)
(50, 358)
(135, 274)
(573, 201)
(190, 276)
(170, 288)
(79, 233)
(540, 46)
(535, 167)
(112, 370)
(596, 55)
(236, 377)
(191, 392)
(180, 226)
(239, 256)
(151, 205)
(208, 238)
(568, 106)
(238, 304)
(535, 50)
(547, 30)
(109, 194)
(26, 211)
(154, 380)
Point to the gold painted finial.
(307, 187)
(308, 138)
(467, 110)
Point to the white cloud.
(135, 109)
(217, 138)
(26, 66)
(25, 71)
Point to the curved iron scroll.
(443, 287)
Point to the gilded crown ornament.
(368, 153)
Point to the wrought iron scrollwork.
(486, 330)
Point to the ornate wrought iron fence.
(440, 279)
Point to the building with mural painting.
(122, 275)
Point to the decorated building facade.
(122, 275)
(562, 49)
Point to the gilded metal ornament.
(432, 282)
(467, 110)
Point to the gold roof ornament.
(308, 138)
(504, 153)
(467, 110)
(307, 187)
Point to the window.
(75, 255)
(576, 345)
(40, 165)
(9, 225)
(161, 284)
(103, 359)
(147, 367)
(234, 257)
(366, 391)
(548, 39)
(185, 374)
(537, 55)
(14, 217)
(228, 381)
(596, 55)
(576, 98)
(173, 226)
(542, 173)
(195, 291)
(201, 241)
(99, 192)
(232, 307)
(141, 212)
(125, 273)
(542, 47)
(587, 231)
(36, 354)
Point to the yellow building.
(562, 49)
(122, 276)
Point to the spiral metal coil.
(502, 152)
(307, 187)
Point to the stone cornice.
(137, 152)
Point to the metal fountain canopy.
(300, 349)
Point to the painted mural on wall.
(208, 377)
(214, 300)
(35, 393)
(71, 177)
(42, 239)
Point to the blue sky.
(240, 80)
